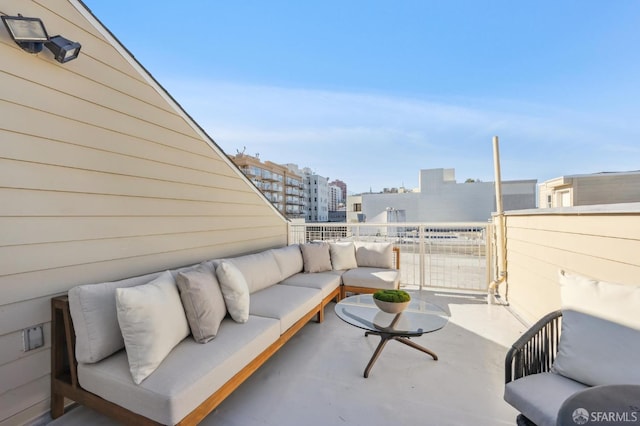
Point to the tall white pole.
(498, 179)
(500, 225)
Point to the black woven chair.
(534, 352)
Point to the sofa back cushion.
(95, 318)
(289, 260)
(343, 256)
(374, 255)
(600, 339)
(260, 270)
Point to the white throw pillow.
(612, 301)
(152, 322)
(343, 256)
(235, 291)
(316, 257)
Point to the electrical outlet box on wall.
(32, 338)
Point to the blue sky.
(371, 92)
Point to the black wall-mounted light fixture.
(31, 35)
(63, 50)
(28, 33)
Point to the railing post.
(488, 233)
(422, 254)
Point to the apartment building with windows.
(590, 189)
(318, 199)
(279, 184)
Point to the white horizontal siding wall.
(601, 242)
(102, 177)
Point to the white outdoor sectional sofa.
(168, 347)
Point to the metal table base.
(384, 338)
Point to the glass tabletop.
(420, 316)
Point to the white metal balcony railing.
(439, 255)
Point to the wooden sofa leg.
(321, 314)
(57, 405)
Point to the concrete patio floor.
(316, 378)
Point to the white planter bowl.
(391, 307)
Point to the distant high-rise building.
(318, 206)
(343, 188)
(335, 197)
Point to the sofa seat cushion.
(323, 281)
(540, 396)
(380, 278)
(186, 377)
(285, 303)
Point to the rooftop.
(316, 379)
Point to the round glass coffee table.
(419, 318)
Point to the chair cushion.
(600, 336)
(202, 301)
(152, 321)
(234, 290)
(289, 260)
(375, 255)
(285, 303)
(380, 278)
(260, 270)
(343, 256)
(186, 377)
(595, 351)
(316, 257)
(540, 396)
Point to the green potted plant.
(392, 301)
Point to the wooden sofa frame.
(64, 377)
(368, 290)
